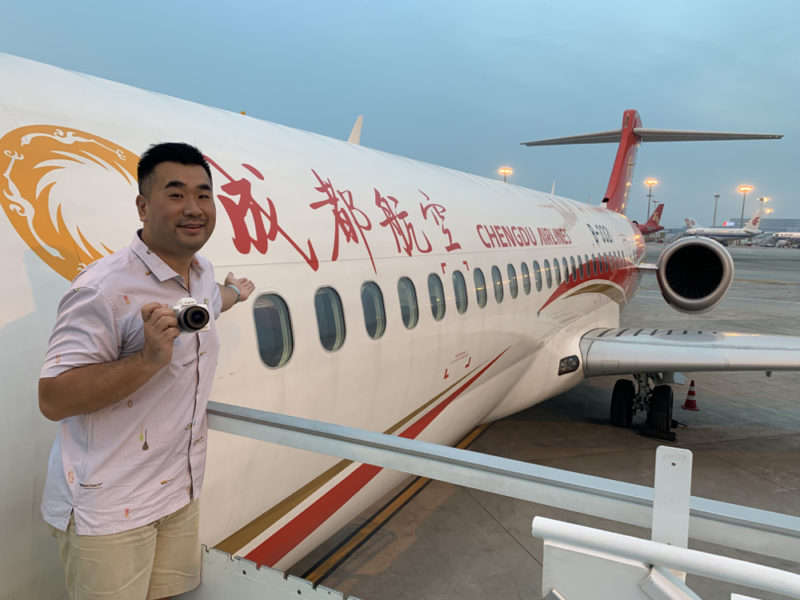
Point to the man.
(129, 390)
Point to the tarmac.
(453, 542)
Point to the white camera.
(192, 317)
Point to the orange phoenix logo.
(33, 160)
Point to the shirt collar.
(153, 262)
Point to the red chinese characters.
(266, 228)
(405, 237)
(436, 212)
(350, 221)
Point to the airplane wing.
(630, 350)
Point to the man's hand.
(244, 285)
(160, 331)
(84, 389)
(229, 297)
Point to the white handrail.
(764, 532)
(673, 557)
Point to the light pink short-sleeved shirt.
(136, 461)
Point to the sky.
(462, 83)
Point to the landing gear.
(622, 403)
(650, 394)
(659, 416)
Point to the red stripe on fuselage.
(624, 277)
(279, 544)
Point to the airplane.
(653, 223)
(786, 238)
(392, 296)
(727, 234)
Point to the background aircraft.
(726, 234)
(786, 238)
(392, 296)
(653, 223)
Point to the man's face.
(177, 210)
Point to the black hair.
(178, 152)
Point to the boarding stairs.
(609, 565)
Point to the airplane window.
(593, 265)
(513, 285)
(574, 270)
(436, 293)
(497, 278)
(460, 288)
(330, 318)
(480, 287)
(601, 263)
(581, 274)
(408, 302)
(526, 278)
(586, 265)
(565, 268)
(374, 312)
(548, 274)
(557, 272)
(273, 330)
(537, 275)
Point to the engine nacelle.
(694, 274)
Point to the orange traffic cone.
(690, 403)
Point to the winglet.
(355, 134)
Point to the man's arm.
(230, 296)
(84, 389)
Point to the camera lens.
(193, 318)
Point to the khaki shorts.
(154, 561)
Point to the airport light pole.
(649, 183)
(744, 189)
(505, 172)
(716, 198)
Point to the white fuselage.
(297, 212)
(722, 234)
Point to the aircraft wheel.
(622, 403)
(659, 417)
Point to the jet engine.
(694, 274)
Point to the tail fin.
(752, 224)
(629, 136)
(652, 225)
(655, 218)
(690, 223)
